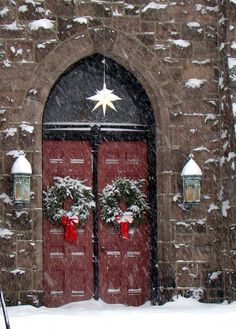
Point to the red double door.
(123, 265)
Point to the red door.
(123, 264)
(68, 268)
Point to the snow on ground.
(92, 314)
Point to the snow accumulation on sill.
(4, 12)
(13, 26)
(193, 24)
(224, 207)
(6, 199)
(23, 9)
(14, 153)
(194, 83)
(81, 20)
(45, 43)
(212, 207)
(231, 62)
(180, 43)
(27, 128)
(153, 5)
(233, 44)
(5, 233)
(44, 23)
(9, 132)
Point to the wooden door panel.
(68, 268)
(124, 265)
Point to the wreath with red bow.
(123, 202)
(68, 202)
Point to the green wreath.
(64, 188)
(128, 192)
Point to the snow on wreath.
(123, 196)
(67, 197)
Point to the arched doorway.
(98, 148)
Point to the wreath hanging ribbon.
(124, 221)
(70, 228)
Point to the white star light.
(104, 98)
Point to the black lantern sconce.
(21, 171)
(191, 177)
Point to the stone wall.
(178, 50)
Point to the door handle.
(103, 249)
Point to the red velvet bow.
(70, 228)
(124, 221)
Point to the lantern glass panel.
(26, 185)
(18, 189)
(192, 189)
(21, 189)
(190, 193)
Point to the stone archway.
(120, 145)
(127, 51)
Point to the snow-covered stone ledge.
(195, 83)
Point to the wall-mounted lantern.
(21, 171)
(191, 176)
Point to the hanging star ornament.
(104, 98)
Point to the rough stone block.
(183, 251)
(181, 11)
(34, 110)
(19, 279)
(13, 30)
(8, 244)
(34, 298)
(193, 31)
(30, 11)
(11, 98)
(61, 8)
(168, 30)
(181, 48)
(27, 136)
(21, 221)
(20, 51)
(214, 279)
(43, 31)
(43, 48)
(204, 50)
(8, 260)
(164, 230)
(93, 9)
(166, 252)
(158, 12)
(9, 138)
(125, 24)
(37, 225)
(162, 49)
(8, 13)
(147, 38)
(26, 254)
(166, 275)
(36, 189)
(99, 35)
(189, 275)
(38, 279)
(194, 69)
(67, 53)
(67, 27)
